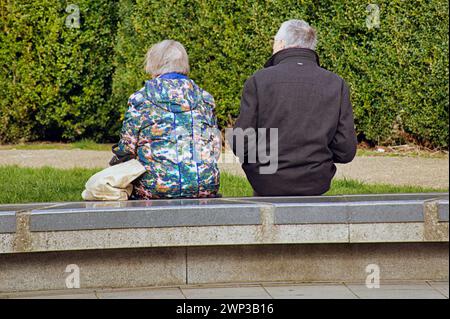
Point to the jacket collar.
(293, 54)
(173, 76)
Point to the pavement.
(418, 171)
(399, 290)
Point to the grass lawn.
(82, 145)
(22, 185)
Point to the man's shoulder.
(260, 76)
(269, 72)
(263, 73)
(330, 74)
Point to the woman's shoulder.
(207, 97)
(137, 98)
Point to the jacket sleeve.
(246, 124)
(344, 142)
(215, 136)
(129, 135)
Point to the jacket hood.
(296, 53)
(173, 95)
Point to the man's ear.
(278, 45)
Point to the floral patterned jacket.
(171, 128)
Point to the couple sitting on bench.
(171, 130)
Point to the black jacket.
(311, 109)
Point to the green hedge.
(398, 73)
(55, 81)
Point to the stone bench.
(206, 240)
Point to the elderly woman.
(171, 128)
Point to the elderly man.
(308, 106)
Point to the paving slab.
(53, 294)
(256, 292)
(279, 290)
(72, 296)
(310, 291)
(152, 293)
(441, 286)
(396, 291)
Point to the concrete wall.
(128, 268)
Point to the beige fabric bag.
(113, 183)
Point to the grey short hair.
(297, 34)
(165, 57)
